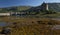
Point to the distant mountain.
(51, 6)
(54, 7)
(21, 8)
(15, 9)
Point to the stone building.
(44, 6)
(4, 14)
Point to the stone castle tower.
(44, 6)
(47, 7)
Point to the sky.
(9, 3)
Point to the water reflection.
(3, 24)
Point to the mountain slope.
(21, 8)
(14, 9)
(54, 6)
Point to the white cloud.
(51, 1)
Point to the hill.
(51, 6)
(54, 6)
(14, 9)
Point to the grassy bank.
(30, 26)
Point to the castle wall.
(47, 7)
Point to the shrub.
(50, 12)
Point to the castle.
(44, 6)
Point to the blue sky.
(8, 3)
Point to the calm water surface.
(3, 24)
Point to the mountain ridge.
(51, 6)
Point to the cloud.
(51, 1)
